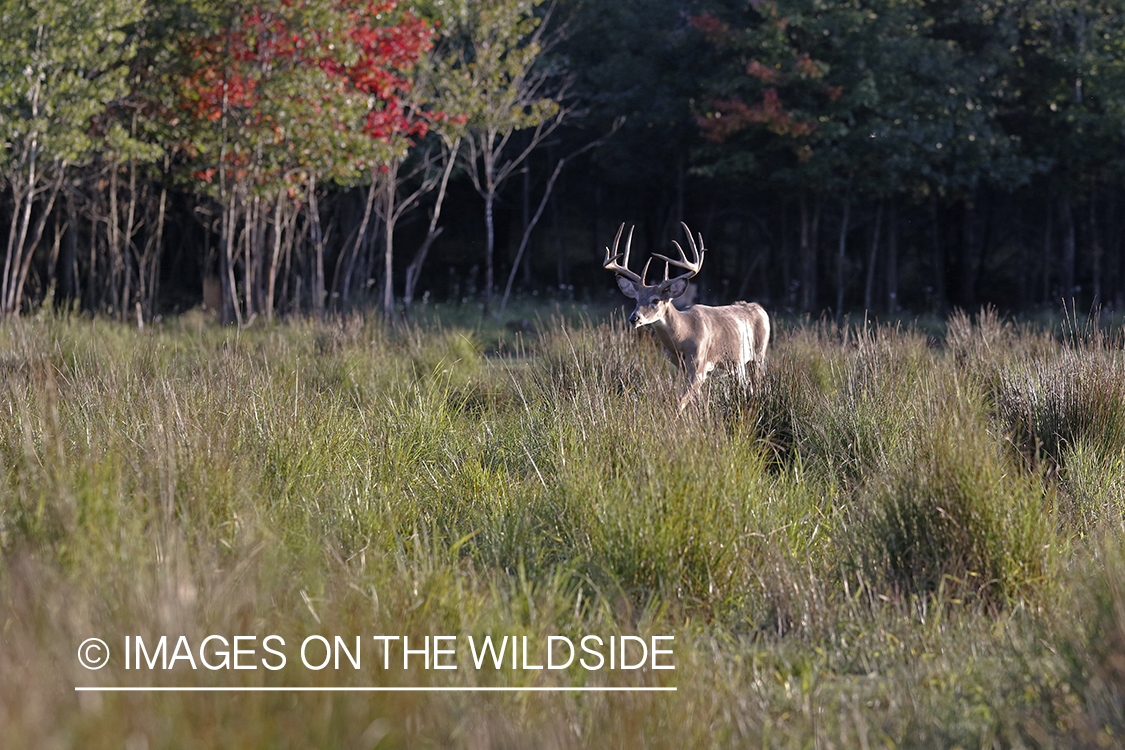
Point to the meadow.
(903, 538)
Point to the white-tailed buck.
(699, 338)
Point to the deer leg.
(695, 385)
(759, 371)
(742, 375)
(689, 394)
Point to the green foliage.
(880, 96)
(640, 60)
(61, 65)
(490, 72)
(493, 72)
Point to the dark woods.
(874, 155)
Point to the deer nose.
(634, 318)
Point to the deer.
(700, 338)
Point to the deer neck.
(672, 328)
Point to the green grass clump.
(954, 507)
(1050, 405)
(855, 551)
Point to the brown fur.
(702, 338)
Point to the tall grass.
(889, 541)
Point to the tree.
(641, 61)
(1066, 108)
(865, 100)
(61, 64)
(285, 97)
(496, 75)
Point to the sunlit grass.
(893, 538)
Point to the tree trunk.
(489, 247)
(892, 259)
(231, 309)
(279, 226)
(841, 257)
(786, 250)
(11, 262)
(872, 258)
(127, 240)
(527, 232)
(1048, 231)
(151, 262)
(1070, 249)
(114, 245)
(92, 301)
(53, 257)
(415, 268)
(389, 189)
(968, 254)
(526, 216)
(1024, 275)
(22, 198)
(984, 242)
(1117, 240)
(70, 251)
(937, 258)
(289, 298)
(560, 246)
(251, 232)
(1095, 247)
(317, 236)
(557, 236)
(808, 254)
(36, 236)
(368, 206)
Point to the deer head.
(655, 300)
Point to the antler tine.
(693, 266)
(698, 252)
(611, 257)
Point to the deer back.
(730, 335)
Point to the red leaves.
(256, 74)
(733, 115)
(764, 73)
(386, 54)
(806, 67)
(708, 24)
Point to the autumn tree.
(285, 98)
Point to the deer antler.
(611, 258)
(692, 266)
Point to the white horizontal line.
(595, 689)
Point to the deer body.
(700, 338)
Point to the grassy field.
(900, 540)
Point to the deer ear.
(627, 287)
(673, 289)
